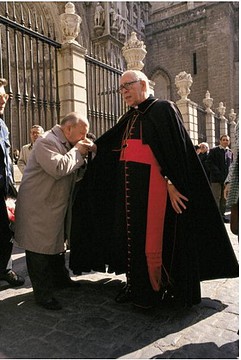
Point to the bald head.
(75, 127)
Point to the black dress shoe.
(50, 304)
(124, 295)
(12, 278)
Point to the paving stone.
(91, 325)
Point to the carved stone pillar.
(72, 79)
(223, 121)
(72, 69)
(187, 107)
(134, 51)
(232, 117)
(70, 24)
(210, 120)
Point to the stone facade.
(200, 38)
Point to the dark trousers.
(6, 234)
(218, 193)
(46, 272)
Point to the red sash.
(136, 151)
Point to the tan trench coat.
(45, 193)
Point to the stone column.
(188, 108)
(210, 120)
(232, 117)
(223, 121)
(72, 70)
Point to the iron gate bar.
(28, 31)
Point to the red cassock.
(134, 151)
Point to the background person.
(143, 201)
(231, 190)
(35, 132)
(218, 161)
(6, 189)
(203, 155)
(43, 200)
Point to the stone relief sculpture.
(121, 24)
(142, 25)
(113, 16)
(99, 18)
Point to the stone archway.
(162, 84)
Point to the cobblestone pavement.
(92, 326)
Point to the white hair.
(138, 75)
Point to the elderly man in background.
(43, 200)
(35, 132)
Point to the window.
(194, 57)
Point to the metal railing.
(28, 60)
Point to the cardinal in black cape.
(125, 218)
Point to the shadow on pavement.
(203, 351)
(91, 325)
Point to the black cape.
(196, 245)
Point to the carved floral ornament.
(221, 109)
(208, 101)
(183, 81)
(70, 23)
(134, 51)
(232, 116)
(133, 42)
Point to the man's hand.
(226, 191)
(176, 199)
(85, 146)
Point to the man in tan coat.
(43, 200)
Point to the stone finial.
(70, 24)
(221, 110)
(183, 81)
(208, 102)
(134, 51)
(232, 116)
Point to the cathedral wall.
(202, 42)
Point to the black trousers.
(46, 272)
(6, 234)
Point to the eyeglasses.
(4, 96)
(127, 85)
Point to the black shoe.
(147, 302)
(50, 304)
(12, 278)
(67, 283)
(124, 295)
(145, 306)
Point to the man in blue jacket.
(6, 188)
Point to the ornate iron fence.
(201, 120)
(28, 60)
(104, 102)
